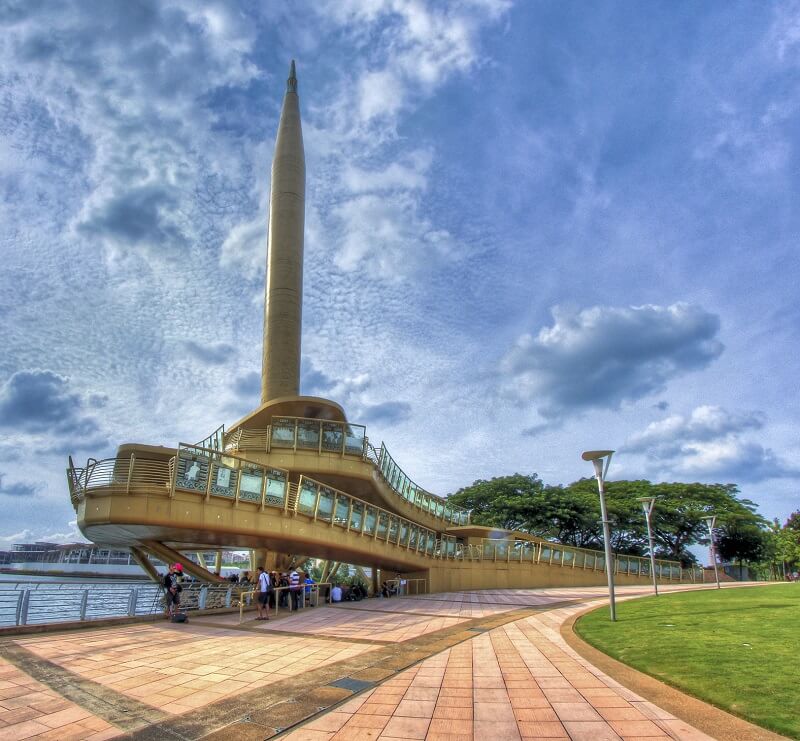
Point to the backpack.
(180, 618)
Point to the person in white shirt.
(336, 594)
(264, 588)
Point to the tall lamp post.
(647, 505)
(600, 471)
(710, 521)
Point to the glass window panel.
(332, 436)
(403, 533)
(282, 432)
(308, 497)
(580, 559)
(545, 553)
(252, 479)
(223, 481)
(431, 541)
(276, 488)
(502, 549)
(393, 528)
(372, 518)
(357, 516)
(383, 525)
(325, 506)
(412, 540)
(192, 472)
(569, 557)
(342, 510)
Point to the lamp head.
(593, 455)
(647, 504)
(710, 521)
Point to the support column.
(260, 558)
(376, 585)
(218, 562)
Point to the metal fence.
(40, 603)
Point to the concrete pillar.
(218, 562)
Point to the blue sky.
(532, 228)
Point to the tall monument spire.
(283, 304)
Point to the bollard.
(84, 602)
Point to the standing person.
(294, 588)
(273, 594)
(264, 588)
(309, 582)
(336, 593)
(284, 598)
(172, 591)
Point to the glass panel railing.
(383, 525)
(325, 505)
(372, 521)
(251, 484)
(332, 437)
(276, 488)
(412, 538)
(357, 516)
(488, 551)
(354, 439)
(568, 558)
(501, 547)
(431, 545)
(223, 481)
(308, 498)
(308, 433)
(342, 510)
(192, 471)
(394, 526)
(283, 431)
(580, 559)
(545, 554)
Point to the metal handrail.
(314, 588)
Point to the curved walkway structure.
(317, 488)
(463, 665)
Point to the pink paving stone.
(495, 730)
(590, 731)
(575, 711)
(415, 709)
(329, 722)
(406, 728)
(542, 729)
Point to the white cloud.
(603, 356)
(708, 444)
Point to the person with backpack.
(264, 588)
(172, 590)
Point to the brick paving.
(29, 709)
(178, 669)
(518, 680)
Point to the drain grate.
(354, 685)
(478, 630)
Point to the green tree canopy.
(571, 514)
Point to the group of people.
(272, 586)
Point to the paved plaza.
(445, 667)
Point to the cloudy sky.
(532, 228)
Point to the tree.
(571, 514)
(505, 502)
(741, 540)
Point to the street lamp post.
(647, 505)
(710, 521)
(596, 457)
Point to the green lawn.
(738, 649)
